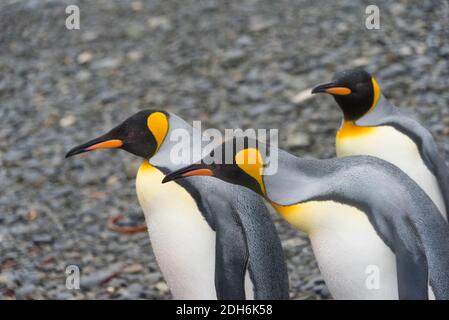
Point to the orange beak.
(109, 144)
(198, 172)
(340, 91)
(99, 143)
(331, 88)
(190, 171)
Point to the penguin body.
(211, 240)
(364, 216)
(373, 126)
(391, 145)
(182, 240)
(347, 248)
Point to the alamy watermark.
(72, 280)
(372, 20)
(72, 22)
(372, 280)
(192, 146)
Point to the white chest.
(395, 147)
(353, 259)
(182, 241)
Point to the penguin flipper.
(400, 232)
(412, 273)
(435, 161)
(231, 252)
(416, 233)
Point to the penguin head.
(355, 91)
(237, 161)
(141, 134)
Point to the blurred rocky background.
(246, 63)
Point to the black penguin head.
(141, 134)
(237, 161)
(355, 91)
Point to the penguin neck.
(364, 125)
(179, 147)
(298, 180)
(378, 113)
(303, 192)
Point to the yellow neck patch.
(300, 215)
(145, 166)
(250, 161)
(157, 123)
(350, 130)
(314, 216)
(376, 94)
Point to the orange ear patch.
(250, 161)
(376, 90)
(157, 123)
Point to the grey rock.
(298, 140)
(260, 23)
(100, 277)
(64, 295)
(106, 63)
(44, 238)
(258, 109)
(232, 57)
(25, 291)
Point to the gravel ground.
(230, 64)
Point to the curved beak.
(331, 88)
(192, 170)
(103, 142)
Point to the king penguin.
(373, 126)
(375, 233)
(211, 239)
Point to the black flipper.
(412, 272)
(231, 256)
(386, 114)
